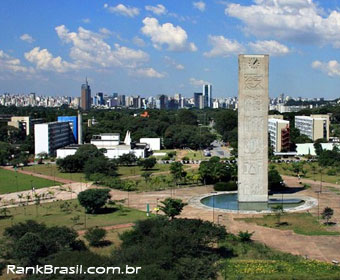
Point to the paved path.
(324, 248)
(52, 178)
(81, 232)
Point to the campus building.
(73, 121)
(313, 126)
(278, 130)
(48, 137)
(25, 124)
(113, 147)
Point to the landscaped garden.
(70, 213)
(11, 181)
(300, 223)
(310, 170)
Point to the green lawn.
(136, 170)
(300, 223)
(14, 181)
(52, 170)
(253, 260)
(313, 174)
(52, 214)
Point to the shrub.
(225, 186)
(331, 172)
(95, 236)
(185, 158)
(94, 199)
(245, 236)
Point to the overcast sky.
(166, 47)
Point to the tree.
(100, 165)
(327, 214)
(274, 180)
(146, 176)
(213, 171)
(6, 151)
(94, 199)
(70, 164)
(172, 207)
(278, 211)
(28, 249)
(176, 170)
(127, 159)
(148, 163)
(95, 236)
(187, 117)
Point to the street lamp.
(318, 192)
(218, 219)
(213, 206)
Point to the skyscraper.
(197, 96)
(85, 96)
(207, 95)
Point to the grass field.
(300, 223)
(52, 214)
(52, 170)
(14, 181)
(313, 174)
(124, 171)
(253, 260)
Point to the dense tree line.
(164, 249)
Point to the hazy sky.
(164, 47)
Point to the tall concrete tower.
(85, 97)
(253, 128)
(80, 128)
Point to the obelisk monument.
(253, 128)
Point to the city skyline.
(164, 47)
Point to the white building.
(112, 146)
(48, 137)
(314, 126)
(154, 143)
(308, 148)
(279, 134)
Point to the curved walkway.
(324, 248)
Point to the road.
(218, 150)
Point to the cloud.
(89, 49)
(44, 60)
(271, 47)
(175, 37)
(197, 83)
(86, 20)
(223, 47)
(27, 38)
(158, 10)
(295, 20)
(138, 41)
(11, 64)
(147, 73)
(200, 5)
(173, 63)
(331, 68)
(122, 10)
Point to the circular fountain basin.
(228, 202)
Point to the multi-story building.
(25, 124)
(73, 121)
(207, 96)
(314, 126)
(85, 97)
(48, 137)
(278, 130)
(162, 102)
(198, 100)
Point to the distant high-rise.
(207, 96)
(85, 96)
(197, 97)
